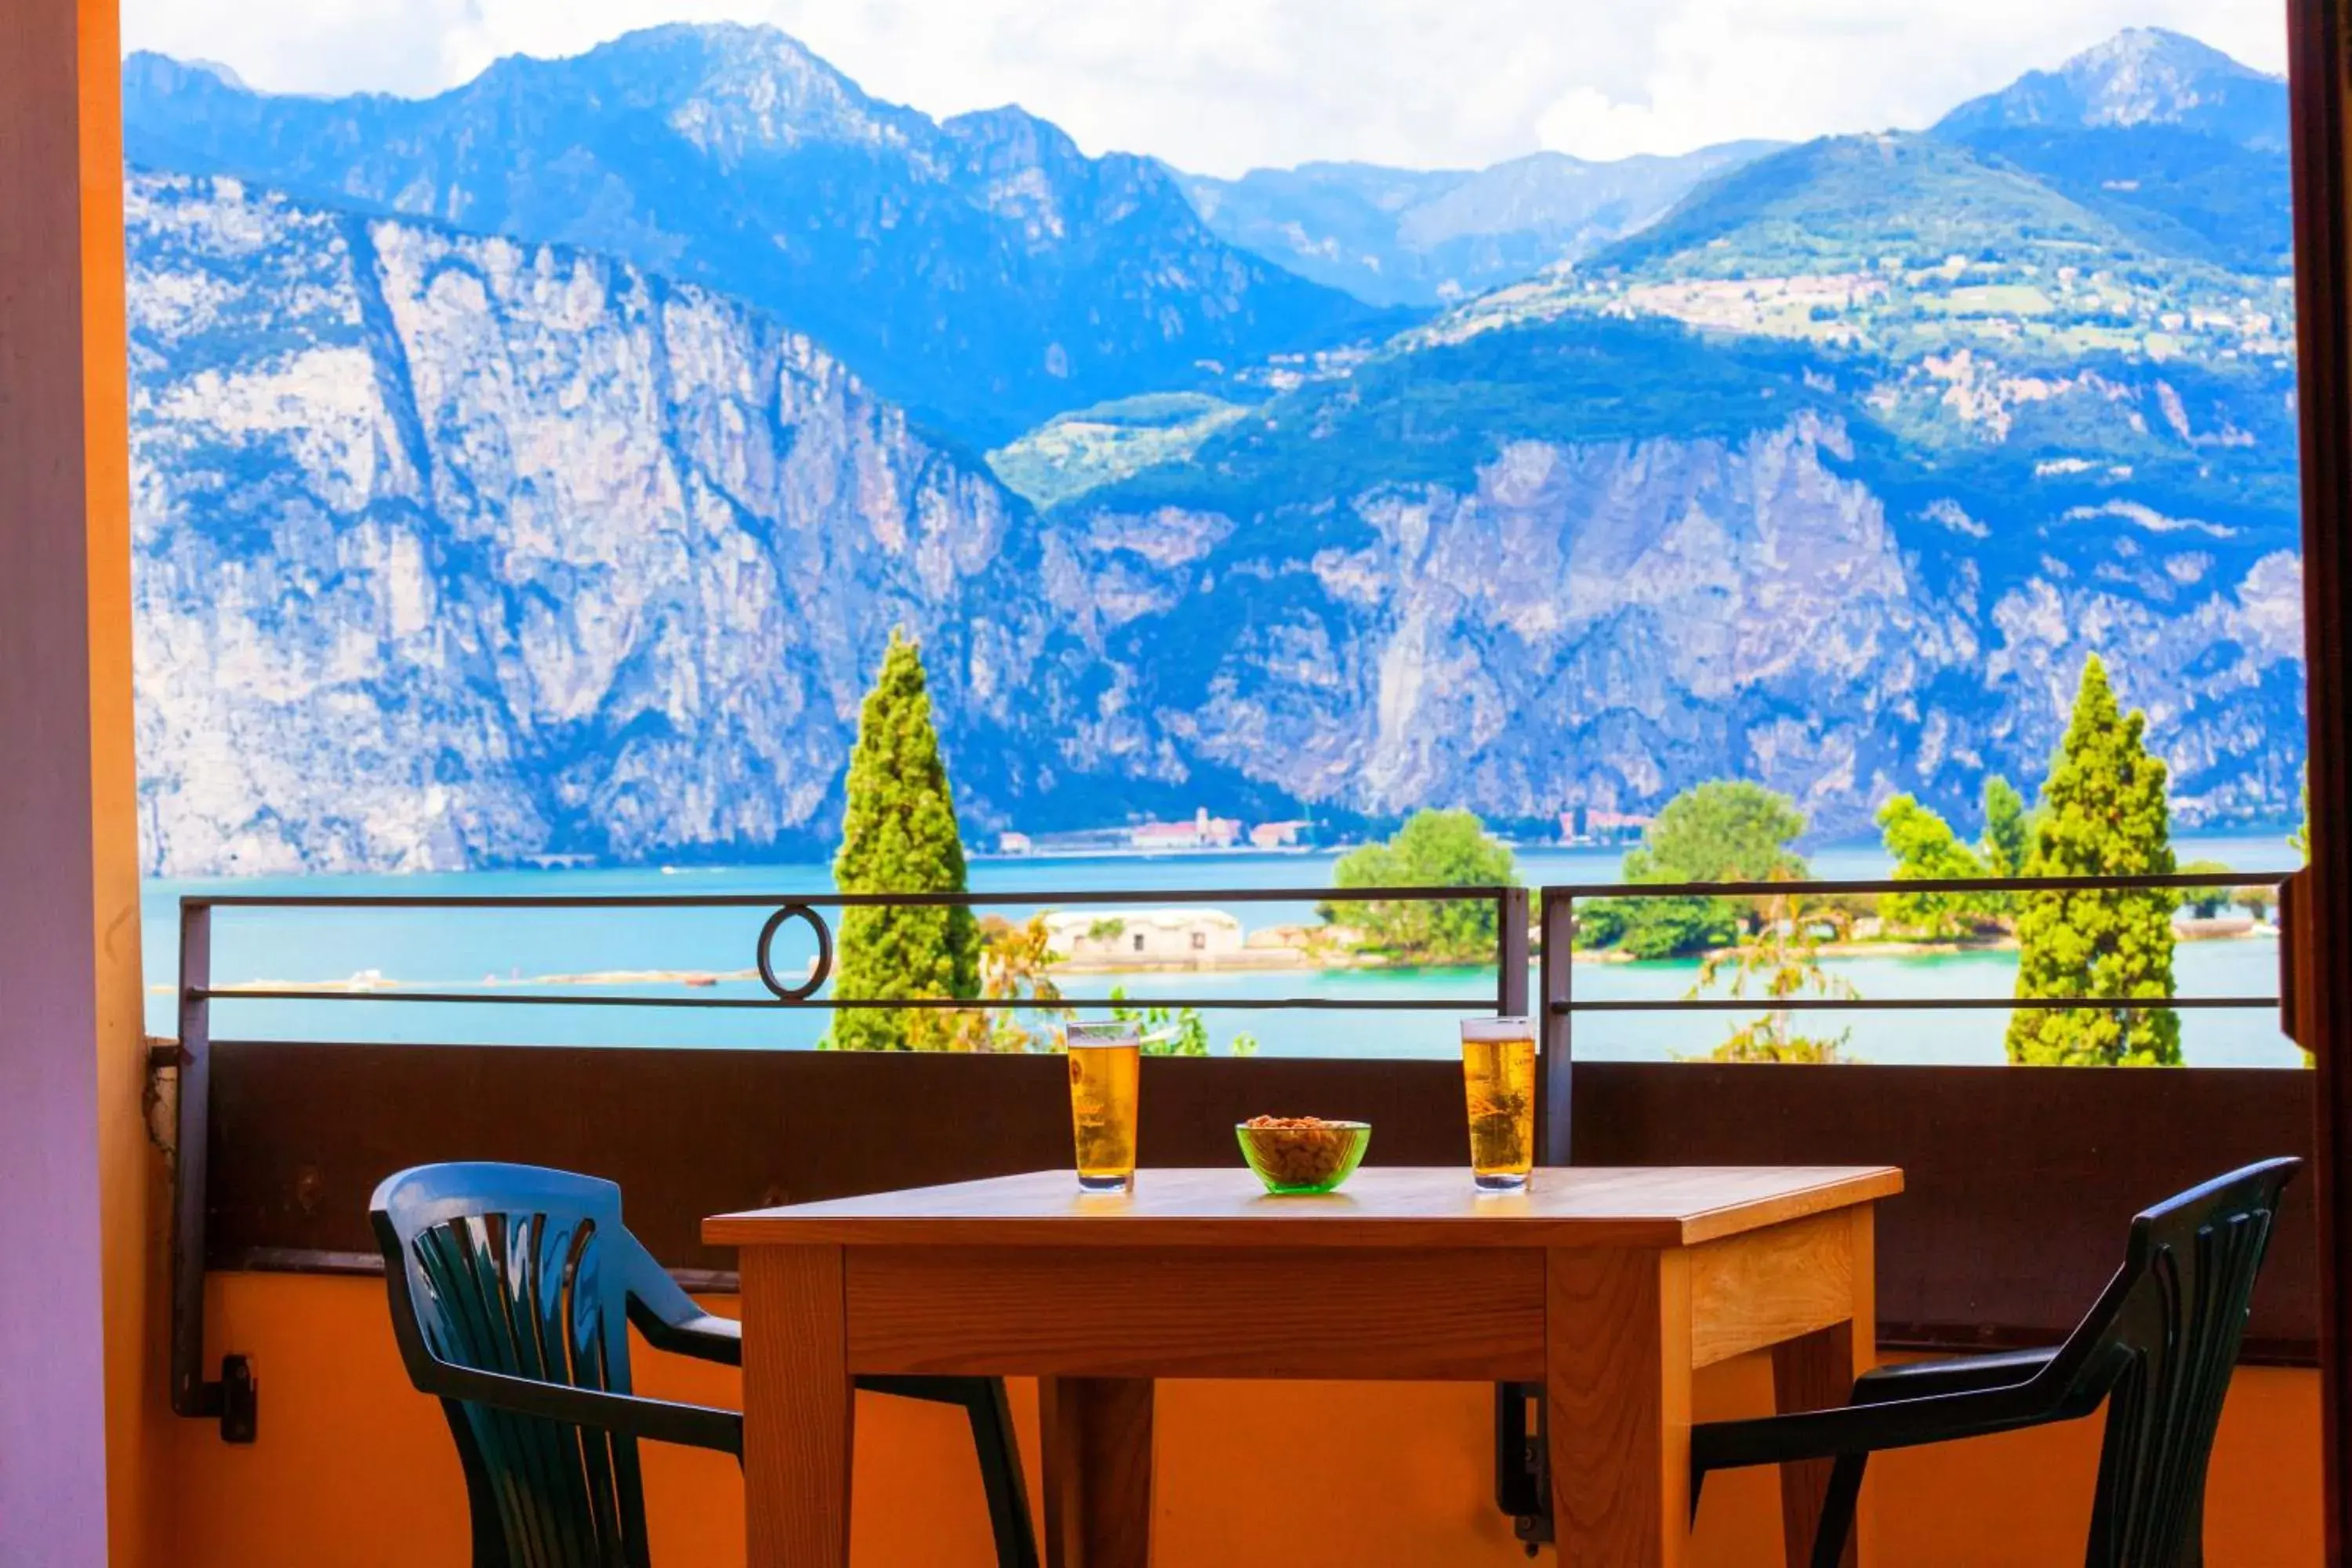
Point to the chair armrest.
(1950, 1374)
(668, 1317)
(656, 1420)
(703, 1336)
(971, 1392)
(1870, 1429)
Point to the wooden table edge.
(782, 1228)
(1867, 1184)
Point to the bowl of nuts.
(1298, 1154)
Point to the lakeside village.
(1580, 828)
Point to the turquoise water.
(455, 949)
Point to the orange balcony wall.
(354, 1468)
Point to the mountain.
(1417, 237)
(1828, 479)
(982, 272)
(2141, 77)
(458, 549)
(2176, 145)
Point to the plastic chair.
(512, 1291)
(2157, 1348)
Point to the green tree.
(1659, 928)
(2256, 900)
(2008, 830)
(2102, 814)
(1726, 830)
(2206, 903)
(2300, 840)
(1432, 849)
(1925, 849)
(899, 834)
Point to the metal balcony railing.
(1556, 936)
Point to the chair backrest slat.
(519, 1270)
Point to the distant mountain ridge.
(983, 272)
(1405, 236)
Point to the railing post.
(233, 1400)
(1554, 1022)
(1522, 1459)
(1511, 981)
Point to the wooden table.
(1610, 1287)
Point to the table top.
(1415, 1207)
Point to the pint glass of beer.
(1106, 1072)
(1498, 1076)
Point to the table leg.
(1617, 1356)
(1813, 1372)
(1097, 1463)
(1816, 1372)
(797, 1406)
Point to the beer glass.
(1106, 1072)
(1499, 1076)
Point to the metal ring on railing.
(818, 973)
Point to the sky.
(1221, 86)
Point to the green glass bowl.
(1295, 1160)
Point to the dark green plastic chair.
(512, 1291)
(2158, 1349)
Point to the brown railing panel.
(2020, 1180)
(301, 1133)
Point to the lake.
(461, 948)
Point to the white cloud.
(1224, 85)
(1718, 70)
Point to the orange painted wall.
(132, 1193)
(355, 1469)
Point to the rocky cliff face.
(452, 551)
(1605, 624)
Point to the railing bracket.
(1522, 1466)
(240, 1416)
(235, 1401)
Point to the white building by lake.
(1122, 938)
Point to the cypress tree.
(899, 834)
(2102, 814)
